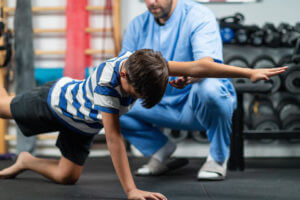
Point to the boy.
(78, 109)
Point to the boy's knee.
(67, 178)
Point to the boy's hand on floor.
(265, 74)
(137, 194)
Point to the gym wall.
(275, 11)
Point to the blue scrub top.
(190, 33)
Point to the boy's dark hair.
(148, 73)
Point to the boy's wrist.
(249, 73)
(127, 191)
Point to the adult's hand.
(181, 82)
(266, 73)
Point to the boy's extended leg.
(62, 171)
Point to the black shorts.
(33, 116)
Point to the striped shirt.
(79, 103)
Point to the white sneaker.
(211, 170)
(154, 167)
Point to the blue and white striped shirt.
(79, 103)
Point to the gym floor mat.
(274, 179)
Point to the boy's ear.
(123, 74)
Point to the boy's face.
(126, 86)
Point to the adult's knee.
(214, 96)
(129, 123)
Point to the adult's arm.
(206, 67)
(120, 161)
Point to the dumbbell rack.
(236, 161)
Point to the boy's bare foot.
(17, 168)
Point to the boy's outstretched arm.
(120, 161)
(206, 67)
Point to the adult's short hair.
(148, 73)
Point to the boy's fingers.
(267, 78)
(152, 196)
(279, 68)
(275, 72)
(160, 196)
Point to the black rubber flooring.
(270, 179)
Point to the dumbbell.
(237, 18)
(175, 135)
(285, 30)
(241, 35)
(288, 106)
(266, 61)
(296, 53)
(229, 26)
(292, 124)
(297, 27)
(249, 34)
(238, 61)
(257, 36)
(291, 79)
(285, 60)
(263, 116)
(199, 136)
(271, 35)
(227, 35)
(289, 114)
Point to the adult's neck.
(163, 20)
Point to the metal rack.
(236, 160)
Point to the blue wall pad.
(44, 75)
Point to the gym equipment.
(265, 61)
(24, 59)
(7, 156)
(263, 116)
(241, 35)
(227, 35)
(237, 18)
(284, 60)
(288, 106)
(289, 114)
(271, 35)
(77, 40)
(292, 124)
(244, 35)
(297, 27)
(229, 27)
(285, 30)
(200, 136)
(292, 79)
(5, 45)
(296, 53)
(175, 135)
(257, 36)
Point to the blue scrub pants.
(209, 106)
